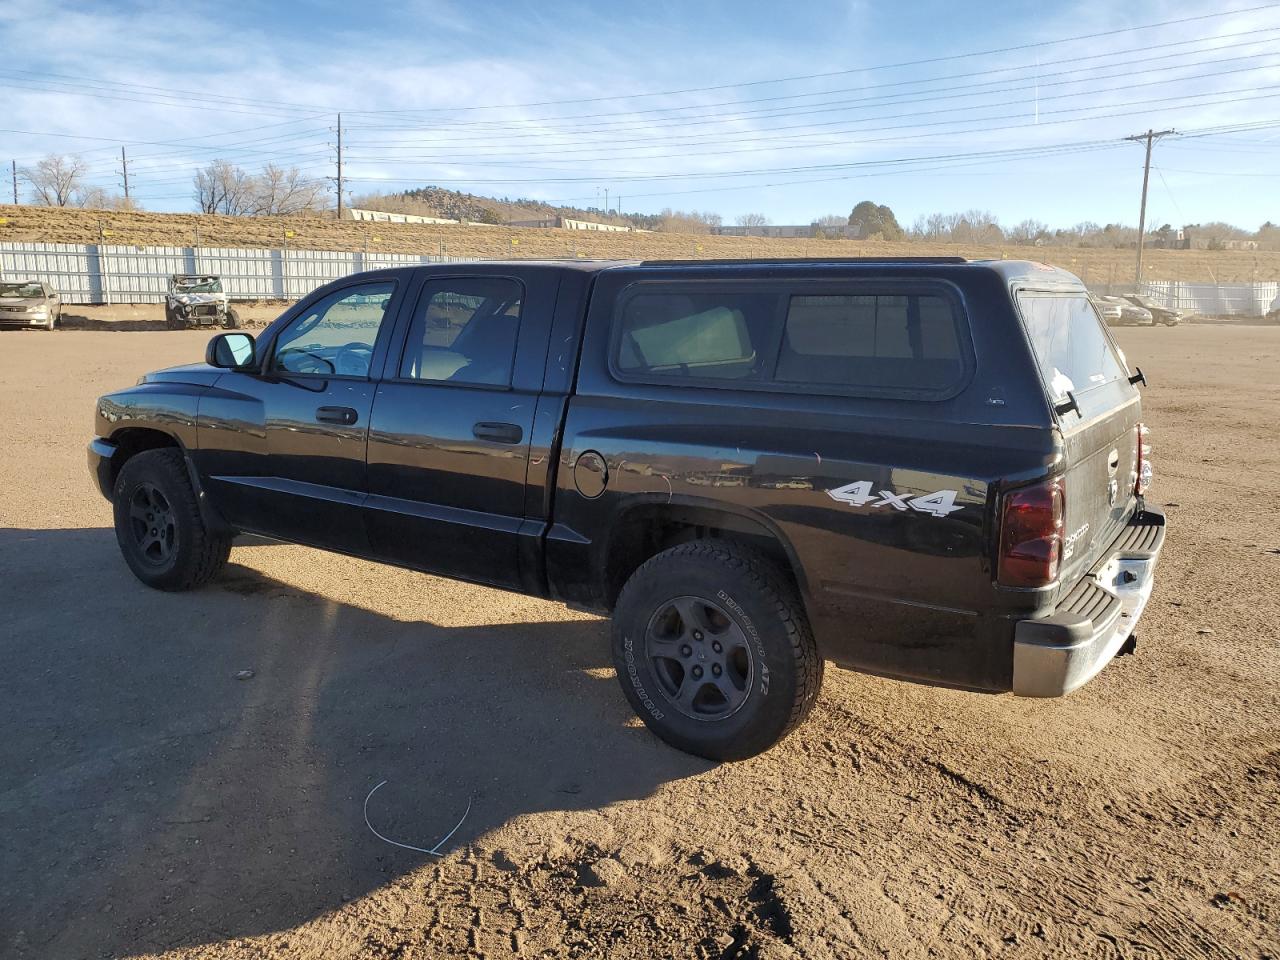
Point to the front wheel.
(714, 651)
(159, 527)
(233, 321)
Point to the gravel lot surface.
(153, 802)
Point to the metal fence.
(1213, 299)
(107, 273)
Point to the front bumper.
(100, 454)
(24, 319)
(1056, 654)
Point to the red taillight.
(1031, 535)
(1143, 483)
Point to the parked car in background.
(1108, 311)
(1159, 314)
(198, 300)
(29, 303)
(1131, 315)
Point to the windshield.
(1073, 350)
(203, 285)
(21, 290)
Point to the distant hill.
(454, 205)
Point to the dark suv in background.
(929, 469)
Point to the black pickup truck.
(928, 469)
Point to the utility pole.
(1150, 137)
(14, 165)
(124, 170)
(339, 166)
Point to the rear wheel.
(159, 527)
(714, 651)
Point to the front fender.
(171, 408)
(125, 418)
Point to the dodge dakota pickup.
(929, 469)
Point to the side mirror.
(231, 351)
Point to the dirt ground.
(1097, 267)
(151, 803)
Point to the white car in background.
(29, 303)
(1108, 311)
(1274, 312)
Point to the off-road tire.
(232, 321)
(195, 555)
(171, 320)
(749, 589)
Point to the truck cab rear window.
(881, 342)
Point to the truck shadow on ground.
(152, 800)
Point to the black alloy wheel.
(152, 524)
(700, 657)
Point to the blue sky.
(685, 105)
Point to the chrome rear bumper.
(1056, 654)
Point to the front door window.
(335, 336)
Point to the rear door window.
(1073, 351)
(464, 331)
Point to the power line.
(696, 139)
(164, 96)
(839, 73)
(1147, 107)
(503, 125)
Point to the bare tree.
(831, 226)
(680, 221)
(222, 187)
(1028, 231)
(56, 181)
(753, 220)
(277, 191)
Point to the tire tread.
(209, 551)
(764, 578)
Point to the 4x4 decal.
(859, 494)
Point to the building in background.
(564, 223)
(803, 231)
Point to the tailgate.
(1098, 485)
(1098, 411)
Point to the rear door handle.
(498, 432)
(343, 415)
